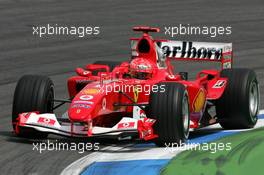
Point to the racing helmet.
(141, 68)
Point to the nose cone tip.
(79, 114)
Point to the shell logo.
(136, 94)
(199, 101)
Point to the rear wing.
(198, 51)
(192, 51)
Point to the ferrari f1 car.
(143, 97)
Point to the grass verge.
(245, 157)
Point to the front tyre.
(32, 93)
(239, 105)
(171, 111)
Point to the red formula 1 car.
(143, 97)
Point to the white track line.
(127, 152)
(119, 154)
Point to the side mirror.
(173, 77)
(82, 72)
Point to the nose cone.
(79, 111)
(83, 106)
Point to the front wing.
(49, 123)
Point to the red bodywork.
(200, 90)
(95, 103)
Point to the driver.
(141, 68)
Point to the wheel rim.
(185, 114)
(253, 100)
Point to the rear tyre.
(32, 93)
(171, 111)
(239, 105)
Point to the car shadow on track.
(204, 132)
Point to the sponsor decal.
(81, 106)
(135, 94)
(199, 101)
(143, 67)
(46, 121)
(84, 102)
(91, 91)
(83, 81)
(86, 97)
(219, 84)
(126, 125)
(183, 49)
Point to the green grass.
(246, 157)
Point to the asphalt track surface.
(57, 56)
